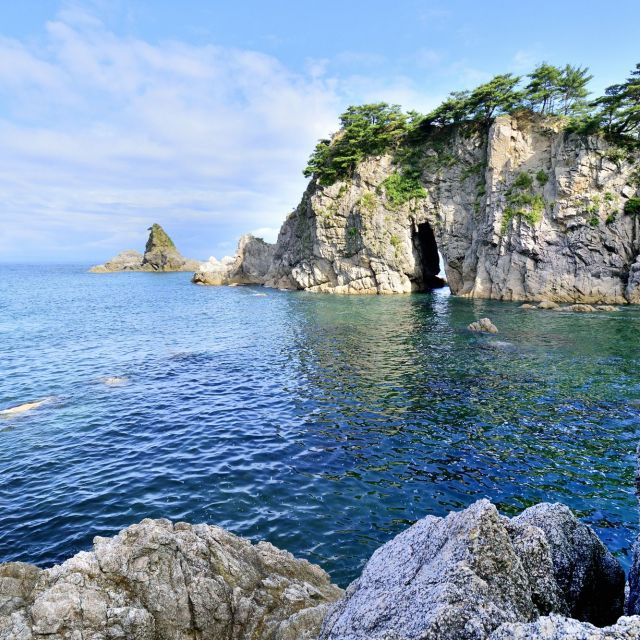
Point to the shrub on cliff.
(374, 129)
(367, 130)
(632, 206)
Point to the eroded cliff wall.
(526, 211)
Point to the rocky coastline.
(472, 575)
(160, 254)
(578, 243)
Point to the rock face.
(589, 577)
(158, 580)
(160, 255)
(561, 628)
(577, 246)
(249, 266)
(461, 577)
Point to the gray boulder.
(556, 627)
(129, 260)
(249, 266)
(158, 580)
(463, 576)
(590, 579)
(484, 325)
(453, 578)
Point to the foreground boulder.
(461, 577)
(249, 265)
(160, 254)
(158, 580)
(590, 579)
(561, 628)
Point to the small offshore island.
(523, 200)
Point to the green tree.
(497, 96)
(543, 89)
(366, 130)
(453, 110)
(619, 108)
(572, 89)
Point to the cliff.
(160, 254)
(524, 212)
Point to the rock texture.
(461, 577)
(249, 266)
(484, 325)
(158, 580)
(350, 238)
(590, 579)
(160, 255)
(561, 628)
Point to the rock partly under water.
(249, 265)
(484, 325)
(578, 246)
(160, 254)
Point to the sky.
(200, 115)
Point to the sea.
(324, 424)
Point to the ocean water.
(323, 424)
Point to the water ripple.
(323, 424)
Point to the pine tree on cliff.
(620, 107)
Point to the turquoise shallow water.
(323, 424)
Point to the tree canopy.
(373, 129)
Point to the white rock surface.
(163, 581)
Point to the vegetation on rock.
(400, 188)
(632, 206)
(374, 129)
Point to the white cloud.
(101, 135)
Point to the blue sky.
(200, 115)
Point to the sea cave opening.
(428, 258)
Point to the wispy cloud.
(101, 134)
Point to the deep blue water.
(324, 424)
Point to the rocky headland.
(525, 210)
(160, 254)
(250, 264)
(472, 575)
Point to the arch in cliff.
(427, 257)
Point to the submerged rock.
(160, 255)
(249, 265)
(158, 580)
(23, 408)
(461, 577)
(581, 308)
(484, 325)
